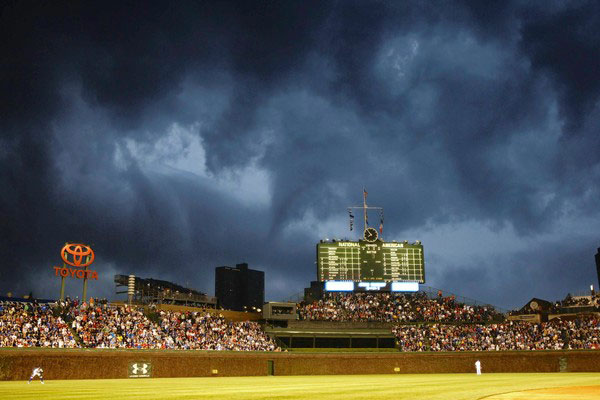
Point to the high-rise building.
(598, 267)
(314, 292)
(240, 288)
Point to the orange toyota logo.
(77, 255)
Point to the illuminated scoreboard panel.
(363, 261)
(342, 262)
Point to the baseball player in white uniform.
(478, 367)
(37, 371)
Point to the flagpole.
(365, 209)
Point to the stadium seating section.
(418, 323)
(107, 326)
(390, 307)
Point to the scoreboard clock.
(370, 260)
(371, 235)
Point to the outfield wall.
(16, 364)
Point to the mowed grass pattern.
(346, 387)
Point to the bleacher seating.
(392, 307)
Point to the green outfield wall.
(16, 364)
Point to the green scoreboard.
(370, 261)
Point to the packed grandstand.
(388, 307)
(101, 325)
(418, 322)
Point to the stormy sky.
(180, 136)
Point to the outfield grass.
(379, 387)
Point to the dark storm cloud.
(565, 45)
(448, 113)
(570, 269)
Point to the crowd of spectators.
(204, 331)
(581, 333)
(97, 324)
(105, 326)
(115, 327)
(570, 304)
(421, 324)
(393, 307)
(29, 324)
(580, 301)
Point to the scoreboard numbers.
(364, 261)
